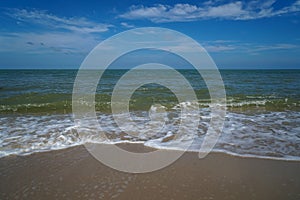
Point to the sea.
(262, 118)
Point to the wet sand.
(74, 174)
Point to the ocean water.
(263, 113)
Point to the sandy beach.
(74, 174)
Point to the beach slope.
(74, 174)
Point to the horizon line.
(220, 68)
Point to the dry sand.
(74, 174)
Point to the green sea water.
(50, 91)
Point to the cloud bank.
(238, 10)
(55, 34)
(45, 19)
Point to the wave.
(273, 135)
(142, 104)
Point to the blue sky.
(237, 34)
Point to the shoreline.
(124, 144)
(73, 173)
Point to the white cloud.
(238, 10)
(236, 46)
(274, 47)
(126, 25)
(219, 48)
(41, 43)
(221, 45)
(43, 18)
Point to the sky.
(237, 34)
